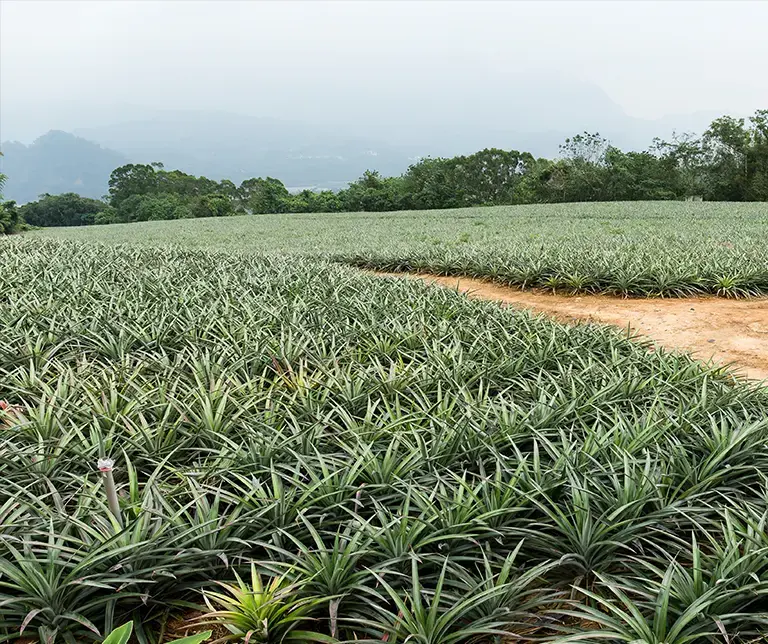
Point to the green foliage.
(263, 614)
(484, 178)
(213, 205)
(372, 192)
(68, 209)
(260, 196)
(429, 184)
(440, 619)
(309, 201)
(10, 218)
(628, 249)
(591, 169)
(152, 207)
(198, 638)
(122, 635)
(149, 193)
(367, 458)
(729, 162)
(130, 180)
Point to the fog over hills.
(522, 115)
(55, 163)
(314, 93)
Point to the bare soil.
(733, 332)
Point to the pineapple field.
(223, 430)
(654, 248)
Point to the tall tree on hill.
(132, 179)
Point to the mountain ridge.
(222, 144)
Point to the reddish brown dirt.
(726, 331)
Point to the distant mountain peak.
(57, 162)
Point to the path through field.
(728, 331)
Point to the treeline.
(10, 217)
(729, 162)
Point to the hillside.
(323, 144)
(57, 162)
(327, 153)
(221, 145)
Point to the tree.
(684, 158)
(430, 183)
(490, 176)
(580, 174)
(532, 186)
(181, 183)
(149, 192)
(10, 219)
(9, 214)
(637, 176)
(226, 187)
(726, 144)
(262, 196)
(757, 180)
(130, 180)
(586, 148)
(374, 193)
(325, 201)
(311, 201)
(69, 209)
(213, 205)
(729, 162)
(153, 207)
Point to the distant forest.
(729, 162)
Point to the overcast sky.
(280, 59)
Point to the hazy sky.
(62, 60)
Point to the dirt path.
(728, 331)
